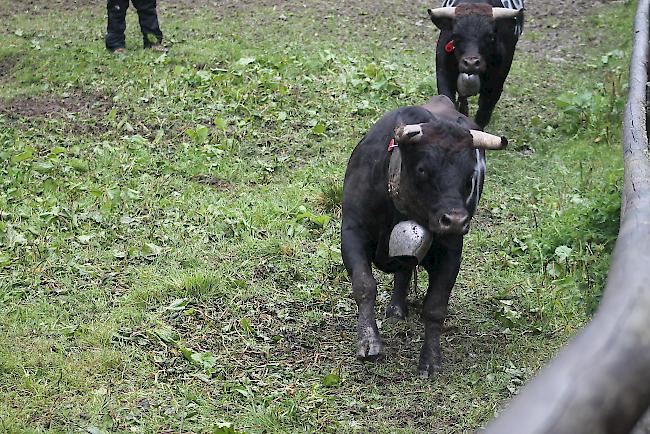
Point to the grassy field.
(169, 247)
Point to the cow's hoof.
(396, 311)
(428, 369)
(369, 349)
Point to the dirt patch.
(549, 28)
(362, 13)
(55, 106)
(7, 65)
(218, 184)
(41, 7)
(82, 112)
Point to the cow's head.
(474, 32)
(440, 164)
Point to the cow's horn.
(408, 133)
(484, 140)
(442, 12)
(504, 13)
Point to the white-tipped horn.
(504, 13)
(409, 133)
(483, 140)
(442, 12)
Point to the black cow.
(439, 183)
(475, 50)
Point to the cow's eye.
(422, 171)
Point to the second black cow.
(423, 164)
(475, 50)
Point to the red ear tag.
(450, 47)
(391, 145)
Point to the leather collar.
(394, 174)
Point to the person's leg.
(148, 22)
(116, 24)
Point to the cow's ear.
(442, 21)
(520, 15)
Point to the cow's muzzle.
(471, 65)
(453, 222)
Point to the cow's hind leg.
(364, 289)
(442, 276)
(397, 307)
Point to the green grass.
(169, 257)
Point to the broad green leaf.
(331, 380)
(79, 165)
(85, 239)
(130, 194)
(202, 133)
(14, 237)
(178, 304)
(554, 269)
(151, 250)
(165, 334)
(563, 252)
(222, 427)
(120, 254)
(246, 326)
(27, 154)
(245, 61)
(205, 360)
(160, 134)
(220, 123)
(319, 129)
(43, 167)
(126, 220)
(112, 115)
(5, 260)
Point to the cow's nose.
(455, 221)
(471, 64)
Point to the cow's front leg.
(442, 276)
(397, 307)
(463, 105)
(355, 249)
(486, 103)
(446, 74)
(364, 288)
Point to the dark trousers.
(117, 22)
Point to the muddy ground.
(551, 22)
(7, 65)
(548, 30)
(83, 105)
